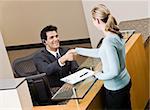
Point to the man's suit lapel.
(61, 51)
(50, 56)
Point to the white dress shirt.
(54, 53)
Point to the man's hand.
(69, 56)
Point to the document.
(78, 76)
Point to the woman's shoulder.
(113, 41)
(108, 40)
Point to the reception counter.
(137, 66)
(14, 94)
(92, 100)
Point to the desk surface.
(85, 102)
(76, 91)
(6, 84)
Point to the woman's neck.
(103, 25)
(107, 33)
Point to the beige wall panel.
(5, 67)
(0, 18)
(23, 20)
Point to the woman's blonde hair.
(102, 12)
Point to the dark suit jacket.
(47, 63)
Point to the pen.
(84, 74)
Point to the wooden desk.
(137, 66)
(84, 104)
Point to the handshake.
(69, 56)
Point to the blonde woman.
(117, 82)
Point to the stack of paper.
(78, 76)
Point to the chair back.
(24, 67)
(38, 83)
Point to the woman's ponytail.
(111, 25)
(103, 13)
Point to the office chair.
(38, 83)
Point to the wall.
(122, 10)
(22, 20)
(5, 67)
(0, 18)
(148, 8)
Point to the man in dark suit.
(54, 60)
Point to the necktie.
(57, 55)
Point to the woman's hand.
(97, 75)
(72, 51)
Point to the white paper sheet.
(78, 76)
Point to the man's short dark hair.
(47, 29)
